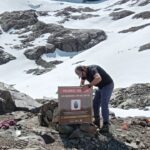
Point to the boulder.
(17, 19)
(37, 52)
(17, 99)
(73, 40)
(47, 113)
(5, 57)
(6, 102)
(69, 40)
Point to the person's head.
(81, 71)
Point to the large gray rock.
(47, 113)
(17, 19)
(37, 52)
(121, 14)
(6, 102)
(73, 40)
(5, 57)
(66, 39)
(41, 28)
(21, 100)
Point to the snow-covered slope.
(118, 55)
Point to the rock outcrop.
(134, 29)
(135, 96)
(144, 47)
(12, 99)
(121, 14)
(143, 15)
(37, 52)
(73, 40)
(17, 19)
(5, 57)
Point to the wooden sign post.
(75, 105)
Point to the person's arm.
(82, 82)
(97, 79)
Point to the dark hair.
(80, 68)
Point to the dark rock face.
(121, 14)
(0, 31)
(5, 57)
(11, 99)
(36, 53)
(144, 2)
(136, 96)
(134, 29)
(6, 102)
(144, 47)
(41, 28)
(66, 11)
(143, 15)
(76, 40)
(65, 39)
(17, 19)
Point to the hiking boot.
(97, 122)
(105, 128)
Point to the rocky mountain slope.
(37, 127)
(108, 33)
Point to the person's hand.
(85, 87)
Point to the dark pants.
(102, 97)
